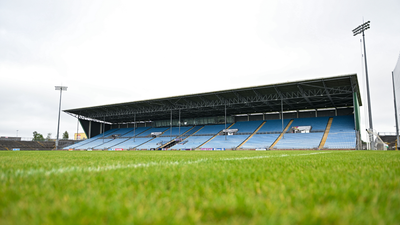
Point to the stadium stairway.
(189, 134)
(167, 137)
(248, 138)
(152, 138)
(280, 136)
(126, 137)
(326, 133)
(174, 142)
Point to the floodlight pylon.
(360, 30)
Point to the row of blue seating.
(341, 136)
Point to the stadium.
(310, 114)
(199, 112)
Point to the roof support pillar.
(170, 129)
(283, 135)
(90, 129)
(77, 128)
(225, 121)
(103, 125)
(179, 122)
(134, 127)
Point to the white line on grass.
(269, 156)
(138, 165)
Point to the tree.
(37, 136)
(65, 135)
(48, 138)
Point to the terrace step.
(281, 135)
(328, 128)
(152, 138)
(174, 142)
(248, 138)
(213, 137)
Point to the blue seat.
(341, 135)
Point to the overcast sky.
(118, 51)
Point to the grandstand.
(311, 114)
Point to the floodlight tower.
(60, 88)
(360, 30)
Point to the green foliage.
(48, 138)
(196, 187)
(65, 135)
(37, 136)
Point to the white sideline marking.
(138, 165)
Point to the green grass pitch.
(199, 187)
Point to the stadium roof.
(329, 92)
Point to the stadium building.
(310, 114)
